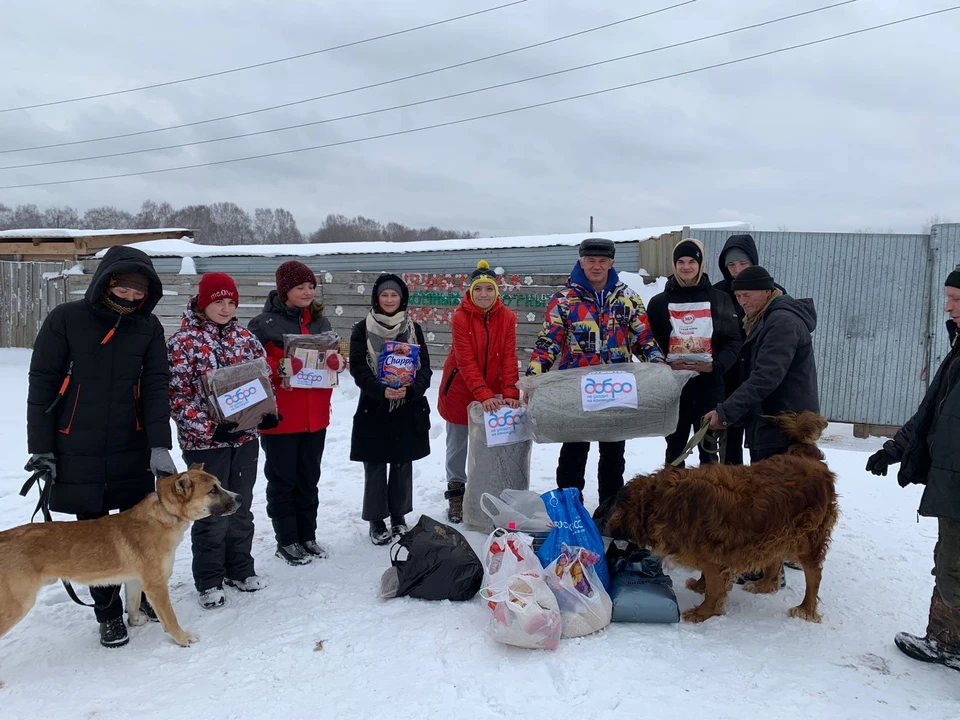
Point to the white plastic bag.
(584, 605)
(525, 610)
(523, 508)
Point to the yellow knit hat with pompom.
(483, 273)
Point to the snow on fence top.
(183, 248)
(67, 233)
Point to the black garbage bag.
(440, 564)
(640, 590)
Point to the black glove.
(223, 433)
(879, 462)
(45, 462)
(270, 422)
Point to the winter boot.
(250, 584)
(294, 554)
(147, 609)
(757, 576)
(211, 598)
(379, 535)
(398, 525)
(113, 633)
(454, 495)
(312, 547)
(941, 644)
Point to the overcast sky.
(858, 133)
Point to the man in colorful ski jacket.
(595, 320)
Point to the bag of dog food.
(605, 403)
(525, 610)
(312, 351)
(584, 604)
(398, 364)
(641, 591)
(493, 468)
(573, 527)
(691, 332)
(439, 563)
(240, 393)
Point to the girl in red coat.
(481, 366)
(293, 450)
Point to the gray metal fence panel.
(872, 298)
(944, 257)
(555, 259)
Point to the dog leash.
(692, 443)
(44, 480)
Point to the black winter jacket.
(707, 388)
(116, 405)
(381, 436)
(927, 447)
(780, 372)
(746, 244)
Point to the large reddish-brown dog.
(726, 519)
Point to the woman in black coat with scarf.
(391, 427)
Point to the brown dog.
(727, 519)
(135, 547)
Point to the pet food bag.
(440, 564)
(498, 458)
(525, 610)
(312, 351)
(585, 606)
(398, 364)
(572, 526)
(241, 393)
(691, 332)
(605, 403)
(641, 591)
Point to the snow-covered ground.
(319, 643)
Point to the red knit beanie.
(291, 274)
(216, 286)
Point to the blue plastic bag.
(573, 526)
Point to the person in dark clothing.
(928, 452)
(391, 428)
(780, 373)
(739, 253)
(98, 409)
(695, 325)
(209, 338)
(293, 450)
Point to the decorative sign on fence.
(435, 296)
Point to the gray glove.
(42, 461)
(161, 464)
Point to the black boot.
(398, 525)
(379, 535)
(757, 576)
(454, 495)
(294, 554)
(147, 609)
(113, 633)
(941, 644)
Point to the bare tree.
(233, 224)
(154, 215)
(65, 217)
(197, 218)
(107, 217)
(934, 219)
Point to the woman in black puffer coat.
(98, 406)
(391, 428)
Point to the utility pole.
(591, 223)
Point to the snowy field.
(319, 643)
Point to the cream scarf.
(749, 323)
(380, 328)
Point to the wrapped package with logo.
(498, 458)
(241, 393)
(398, 364)
(604, 402)
(691, 332)
(312, 351)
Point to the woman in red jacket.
(481, 366)
(293, 450)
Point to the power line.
(493, 114)
(428, 101)
(265, 63)
(355, 89)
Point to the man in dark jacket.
(98, 408)
(929, 454)
(696, 326)
(780, 372)
(739, 253)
